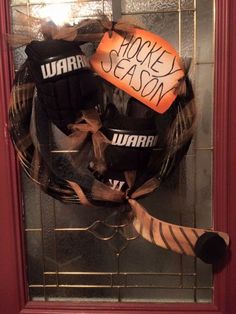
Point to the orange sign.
(142, 64)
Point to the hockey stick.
(206, 244)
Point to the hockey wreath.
(81, 149)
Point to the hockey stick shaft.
(176, 238)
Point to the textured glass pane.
(130, 6)
(165, 25)
(33, 217)
(204, 98)
(187, 4)
(187, 34)
(48, 233)
(50, 1)
(205, 278)
(71, 12)
(203, 192)
(19, 57)
(17, 26)
(203, 295)
(160, 295)
(73, 253)
(37, 294)
(205, 27)
(158, 260)
(79, 253)
(35, 257)
(18, 2)
(197, 204)
(188, 206)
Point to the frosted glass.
(205, 30)
(131, 6)
(187, 4)
(187, 34)
(204, 98)
(165, 25)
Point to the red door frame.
(13, 296)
